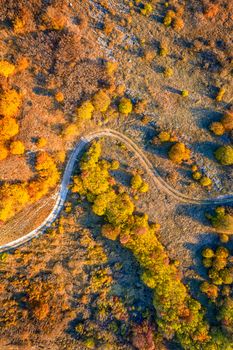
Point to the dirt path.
(60, 196)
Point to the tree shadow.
(206, 149)
(172, 90)
(204, 117)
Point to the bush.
(227, 120)
(224, 155)
(147, 9)
(170, 15)
(6, 69)
(210, 290)
(222, 221)
(205, 181)
(125, 106)
(17, 148)
(115, 165)
(84, 112)
(207, 253)
(101, 101)
(179, 153)
(207, 262)
(220, 94)
(168, 72)
(3, 152)
(178, 24)
(13, 198)
(136, 182)
(110, 232)
(8, 128)
(10, 102)
(217, 128)
(197, 175)
(41, 142)
(59, 96)
(184, 93)
(164, 136)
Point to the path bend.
(61, 195)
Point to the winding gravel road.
(63, 189)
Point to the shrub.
(227, 120)
(164, 136)
(168, 72)
(224, 155)
(207, 253)
(6, 69)
(179, 153)
(170, 15)
(41, 142)
(205, 181)
(70, 130)
(8, 128)
(10, 102)
(84, 112)
(59, 96)
(224, 238)
(207, 262)
(222, 221)
(210, 290)
(226, 276)
(184, 93)
(13, 198)
(222, 253)
(144, 188)
(115, 165)
(3, 152)
(197, 175)
(163, 50)
(178, 24)
(101, 101)
(111, 67)
(217, 128)
(110, 232)
(220, 94)
(125, 106)
(147, 9)
(136, 182)
(17, 148)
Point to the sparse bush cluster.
(224, 125)
(173, 18)
(197, 175)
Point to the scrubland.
(124, 265)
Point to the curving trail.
(63, 189)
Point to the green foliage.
(147, 9)
(115, 165)
(205, 181)
(224, 155)
(138, 184)
(197, 175)
(207, 253)
(222, 221)
(125, 106)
